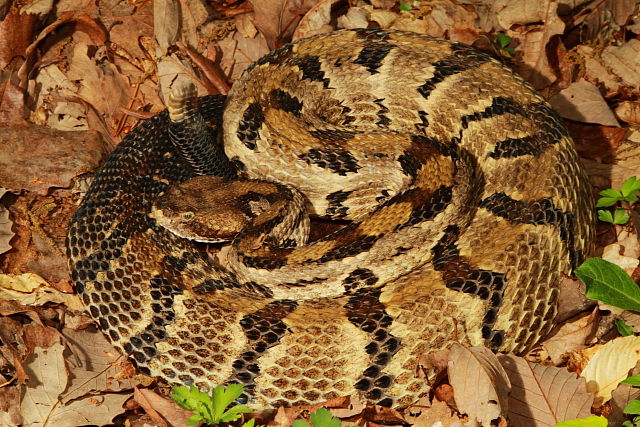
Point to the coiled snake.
(466, 202)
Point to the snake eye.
(187, 215)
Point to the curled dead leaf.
(610, 365)
(480, 384)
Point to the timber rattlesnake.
(467, 204)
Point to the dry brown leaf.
(481, 386)
(543, 395)
(582, 102)
(624, 61)
(92, 365)
(31, 289)
(166, 22)
(535, 66)
(316, 21)
(48, 379)
(509, 13)
(276, 20)
(448, 18)
(629, 112)
(10, 406)
(572, 300)
(620, 397)
(5, 227)
(617, 254)
(595, 70)
(356, 17)
(101, 84)
(439, 413)
(163, 411)
(610, 365)
(60, 157)
(572, 335)
(11, 103)
(16, 32)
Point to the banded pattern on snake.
(466, 200)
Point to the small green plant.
(406, 5)
(592, 421)
(211, 408)
(610, 284)
(502, 42)
(621, 199)
(320, 418)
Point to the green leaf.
(623, 328)
(503, 40)
(404, 6)
(620, 216)
(249, 423)
(605, 216)
(630, 186)
(610, 192)
(223, 397)
(605, 202)
(323, 418)
(300, 423)
(511, 51)
(632, 407)
(234, 413)
(591, 421)
(634, 381)
(609, 283)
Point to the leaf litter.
(76, 78)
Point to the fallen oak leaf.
(480, 384)
(544, 395)
(609, 366)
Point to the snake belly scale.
(466, 200)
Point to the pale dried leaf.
(356, 17)
(92, 365)
(316, 21)
(448, 18)
(624, 61)
(543, 395)
(276, 20)
(438, 414)
(535, 67)
(631, 318)
(572, 335)
(509, 13)
(47, 379)
(10, 406)
(384, 18)
(582, 102)
(166, 22)
(5, 227)
(161, 409)
(629, 112)
(31, 289)
(610, 365)
(101, 84)
(481, 386)
(620, 397)
(595, 71)
(27, 282)
(409, 22)
(195, 14)
(616, 254)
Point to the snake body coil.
(467, 204)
